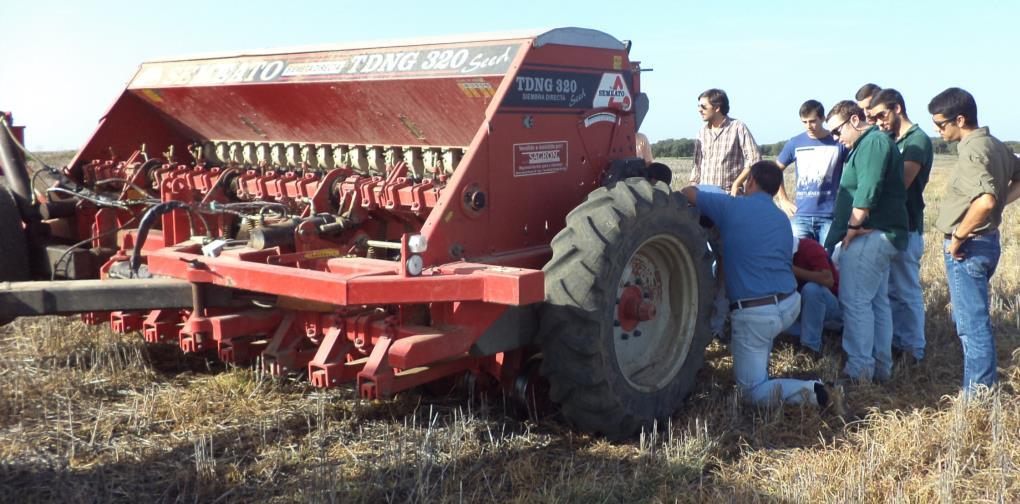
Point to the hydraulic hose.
(146, 224)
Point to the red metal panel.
(432, 112)
(568, 119)
(129, 123)
(360, 285)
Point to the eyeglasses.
(702, 106)
(835, 131)
(941, 125)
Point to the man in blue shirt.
(758, 259)
(819, 158)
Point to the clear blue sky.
(64, 62)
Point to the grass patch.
(88, 415)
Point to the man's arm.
(738, 183)
(977, 214)
(751, 154)
(910, 171)
(696, 170)
(916, 152)
(869, 186)
(782, 198)
(857, 218)
(644, 149)
(691, 193)
(823, 277)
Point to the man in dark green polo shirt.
(870, 224)
(985, 179)
(905, 295)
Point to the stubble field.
(89, 415)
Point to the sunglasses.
(835, 131)
(702, 106)
(881, 116)
(941, 125)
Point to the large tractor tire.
(14, 266)
(626, 317)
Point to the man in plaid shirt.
(724, 147)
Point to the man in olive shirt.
(986, 178)
(905, 295)
(870, 224)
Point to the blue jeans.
(816, 228)
(968, 292)
(864, 297)
(819, 309)
(753, 332)
(906, 297)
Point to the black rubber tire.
(579, 329)
(14, 265)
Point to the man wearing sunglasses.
(985, 179)
(724, 146)
(905, 295)
(870, 225)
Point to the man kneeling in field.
(760, 285)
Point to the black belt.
(762, 301)
(949, 236)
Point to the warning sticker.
(540, 158)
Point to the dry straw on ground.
(87, 415)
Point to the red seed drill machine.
(387, 214)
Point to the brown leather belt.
(762, 301)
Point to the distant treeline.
(684, 147)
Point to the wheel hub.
(656, 312)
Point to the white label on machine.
(540, 158)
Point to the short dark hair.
(868, 90)
(846, 109)
(889, 97)
(812, 107)
(955, 102)
(768, 176)
(718, 99)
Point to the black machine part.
(19, 299)
(13, 162)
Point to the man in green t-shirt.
(905, 295)
(985, 179)
(870, 224)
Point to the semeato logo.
(613, 92)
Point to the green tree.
(683, 147)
